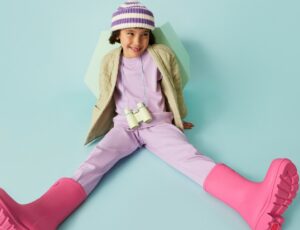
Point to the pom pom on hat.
(132, 14)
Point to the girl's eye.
(129, 33)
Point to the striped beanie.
(132, 14)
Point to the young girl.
(141, 104)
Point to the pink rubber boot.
(260, 204)
(45, 213)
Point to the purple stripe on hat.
(132, 3)
(133, 20)
(131, 7)
(133, 10)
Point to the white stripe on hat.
(132, 5)
(132, 1)
(132, 15)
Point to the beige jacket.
(104, 110)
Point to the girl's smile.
(134, 41)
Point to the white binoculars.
(140, 115)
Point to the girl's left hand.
(187, 125)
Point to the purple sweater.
(130, 90)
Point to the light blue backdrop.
(243, 98)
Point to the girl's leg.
(47, 212)
(116, 144)
(260, 204)
(171, 145)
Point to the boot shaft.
(48, 211)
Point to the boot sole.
(284, 190)
(7, 219)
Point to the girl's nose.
(137, 40)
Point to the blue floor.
(242, 98)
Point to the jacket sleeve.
(178, 86)
(102, 81)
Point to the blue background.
(243, 97)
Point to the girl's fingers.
(188, 125)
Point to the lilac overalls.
(139, 81)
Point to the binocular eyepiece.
(142, 114)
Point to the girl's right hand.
(187, 125)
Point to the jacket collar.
(116, 62)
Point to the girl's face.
(134, 41)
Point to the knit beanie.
(132, 14)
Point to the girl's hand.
(187, 125)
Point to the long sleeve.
(178, 87)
